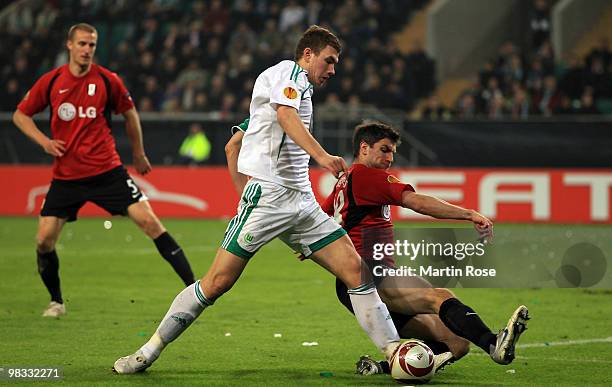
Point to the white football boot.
(442, 360)
(503, 353)
(54, 309)
(132, 364)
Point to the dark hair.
(82, 27)
(373, 132)
(317, 38)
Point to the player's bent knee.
(463, 349)
(216, 285)
(45, 244)
(429, 300)
(434, 297)
(142, 214)
(151, 226)
(442, 294)
(355, 265)
(459, 347)
(353, 274)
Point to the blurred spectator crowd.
(512, 87)
(203, 56)
(523, 83)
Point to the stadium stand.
(525, 82)
(195, 56)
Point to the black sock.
(172, 252)
(48, 268)
(464, 322)
(385, 366)
(437, 347)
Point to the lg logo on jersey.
(68, 111)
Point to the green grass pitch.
(117, 288)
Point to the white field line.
(558, 344)
(555, 359)
(132, 251)
(565, 359)
(128, 250)
(567, 342)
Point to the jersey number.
(133, 187)
(338, 205)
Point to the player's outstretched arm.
(134, 132)
(291, 123)
(232, 150)
(440, 209)
(26, 124)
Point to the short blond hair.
(81, 27)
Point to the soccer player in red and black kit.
(361, 203)
(86, 168)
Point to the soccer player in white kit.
(278, 202)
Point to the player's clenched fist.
(483, 225)
(142, 164)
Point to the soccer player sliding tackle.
(360, 202)
(278, 202)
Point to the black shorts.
(113, 191)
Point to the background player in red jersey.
(81, 97)
(360, 203)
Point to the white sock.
(185, 308)
(374, 318)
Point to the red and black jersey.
(80, 110)
(361, 203)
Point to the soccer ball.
(412, 363)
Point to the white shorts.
(268, 210)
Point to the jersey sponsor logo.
(91, 89)
(68, 111)
(62, 91)
(393, 179)
(290, 93)
(385, 212)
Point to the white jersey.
(267, 153)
